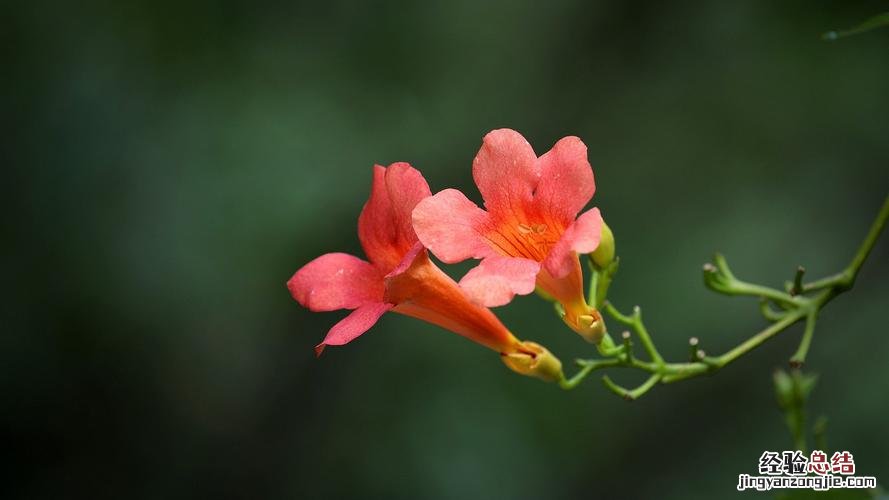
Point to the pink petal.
(384, 226)
(506, 172)
(406, 187)
(497, 279)
(450, 226)
(336, 281)
(406, 261)
(582, 236)
(566, 180)
(353, 325)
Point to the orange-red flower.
(529, 234)
(401, 278)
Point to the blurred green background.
(171, 164)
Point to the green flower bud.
(604, 253)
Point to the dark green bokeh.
(171, 165)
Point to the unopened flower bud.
(534, 360)
(604, 253)
(792, 389)
(714, 279)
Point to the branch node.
(797, 287)
(693, 348)
(628, 347)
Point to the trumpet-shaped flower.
(529, 233)
(401, 278)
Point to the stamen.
(531, 240)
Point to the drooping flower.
(529, 232)
(401, 278)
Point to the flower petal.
(384, 226)
(424, 292)
(497, 279)
(450, 226)
(336, 281)
(407, 261)
(506, 172)
(353, 325)
(406, 187)
(582, 236)
(566, 180)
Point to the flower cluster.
(528, 236)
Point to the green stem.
(631, 395)
(796, 308)
(845, 279)
(608, 348)
(635, 322)
(744, 288)
(586, 367)
(769, 313)
(600, 281)
(594, 285)
(800, 356)
(757, 340)
(797, 287)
